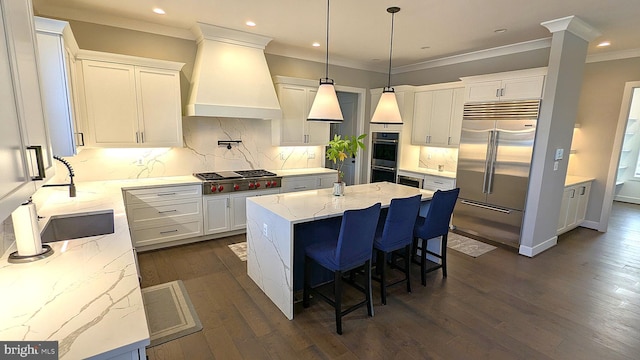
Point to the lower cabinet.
(162, 214)
(311, 182)
(434, 183)
(573, 208)
(228, 212)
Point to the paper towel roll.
(25, 227)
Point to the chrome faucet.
(71, 185)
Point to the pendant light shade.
(325, 105)
(387, 111)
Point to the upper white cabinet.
(131, 102)
(57, 48)
(512, 85)
(437, 115)
(296, 97)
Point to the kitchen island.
(277, 226)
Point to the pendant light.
(387, 111)
(325, 105)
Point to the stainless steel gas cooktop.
(240, 180)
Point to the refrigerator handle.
(492, 163)
(487, 161)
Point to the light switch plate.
(559, 154)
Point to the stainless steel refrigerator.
(493, 168)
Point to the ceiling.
(360, 29)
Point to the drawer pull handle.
(166, 194)
(167, 211)
(168, 232)
(300, 187)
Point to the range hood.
(230, 76)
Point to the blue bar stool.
(351, 250)
(395, 234)
(434, 225)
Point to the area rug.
(240, 249)
(170, 313)
(467, 246)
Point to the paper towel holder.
(14, 258)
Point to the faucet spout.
(71, 185)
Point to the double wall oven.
(384, 156)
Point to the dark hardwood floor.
(578, 300)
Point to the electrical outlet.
(265, 229)
(312, 156)
(555, 166)
(140, 161)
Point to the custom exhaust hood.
(230, 76)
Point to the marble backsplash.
(200, 153)
(431, 157)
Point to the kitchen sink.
(75, 226)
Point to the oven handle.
(379, 141)
(384, 168)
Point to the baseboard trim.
(593, 225)
(533, 251)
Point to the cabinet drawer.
(162, 193)
(164, 233)
(299, 184)
(437, 183)
(142, 214)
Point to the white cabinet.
(437, 115)
(56, 49)
(574, 206)
(162, 214)
(296, 97)
(513, 85)
(131, 105)
(228, 212)
(434, 183)
(21, 118)
(308, 182)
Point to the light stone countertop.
(86, 295)
(425, 171)
(571, 180)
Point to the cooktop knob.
(267, 184)
(257, 185)
(251, 185)
(213, 188)
(220, 188)
(236, 187)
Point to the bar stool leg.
(423, 262)
(443, 251)
(407, 266)
(367, 270)
(383, 275)
(337, 283)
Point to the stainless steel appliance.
(493, 168)
(236, 181)
(384, 156)
(410, 181)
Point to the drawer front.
(164, 233)
(144, 214)
(164, 193)
(434, 183)
(299, 184)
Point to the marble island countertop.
(86, 295)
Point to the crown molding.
(613, 55)
(476, 55)
(304, 54)
(574, 25)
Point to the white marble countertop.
(303, 172)
(433, 172)
(571, 180)
(86, 295)
(319, 204)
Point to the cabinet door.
(112, 112)
(483, 91)
(24, 60)
(216, 214)
(15, 185)
(159, 107)
(298, 183)
(238, 210)
(583, 200)
(457, 109)
(326, 181)
(317, 132)
(564, 209)
(522, 88)
(440, 117)
(291, 128)
(422, 109)
(57, 96)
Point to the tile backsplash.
(200, 153)
(431, 157)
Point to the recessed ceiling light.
(158, 11)
(316, 44)
(250, 23)
(604, 43)
(500, 31)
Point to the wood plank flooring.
(579, 300)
